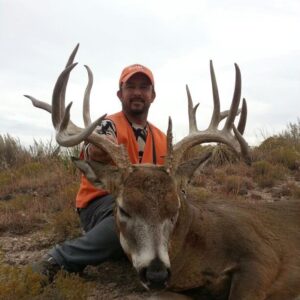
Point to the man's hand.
(98, 154)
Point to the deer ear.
(101, 175)
(85, 168)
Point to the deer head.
(151, 212)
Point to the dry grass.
(233, 179)
(35, 192)
(37, 186)
(11, 152)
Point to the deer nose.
(156, 275)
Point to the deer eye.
(123, 213)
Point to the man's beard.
(136, 111)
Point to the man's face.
(136, 94)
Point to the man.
(145, 144)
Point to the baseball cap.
(133, 69)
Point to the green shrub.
(272, 143)
(261, 168)
(222, 154)
(286, 156)
(283, 148)
(267, 174)
(19, 283)
(71, 286)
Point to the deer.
(208, 249)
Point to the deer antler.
(67, 133)
(234, 140)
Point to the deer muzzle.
(156, 275)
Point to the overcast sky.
(176, 39)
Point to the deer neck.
(182, 228)
(188, 236)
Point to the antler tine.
(86, 100)
(243, 145)
(192, 112)
(40, 104)
(235, 101)
(169, 156)
(63, 93)
(215, 119)
(58, 99)
(217, 116)
(224, 114)
(239, 131)
(243, 117)
(72, 56)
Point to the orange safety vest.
(155, 149)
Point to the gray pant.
(99, 244)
